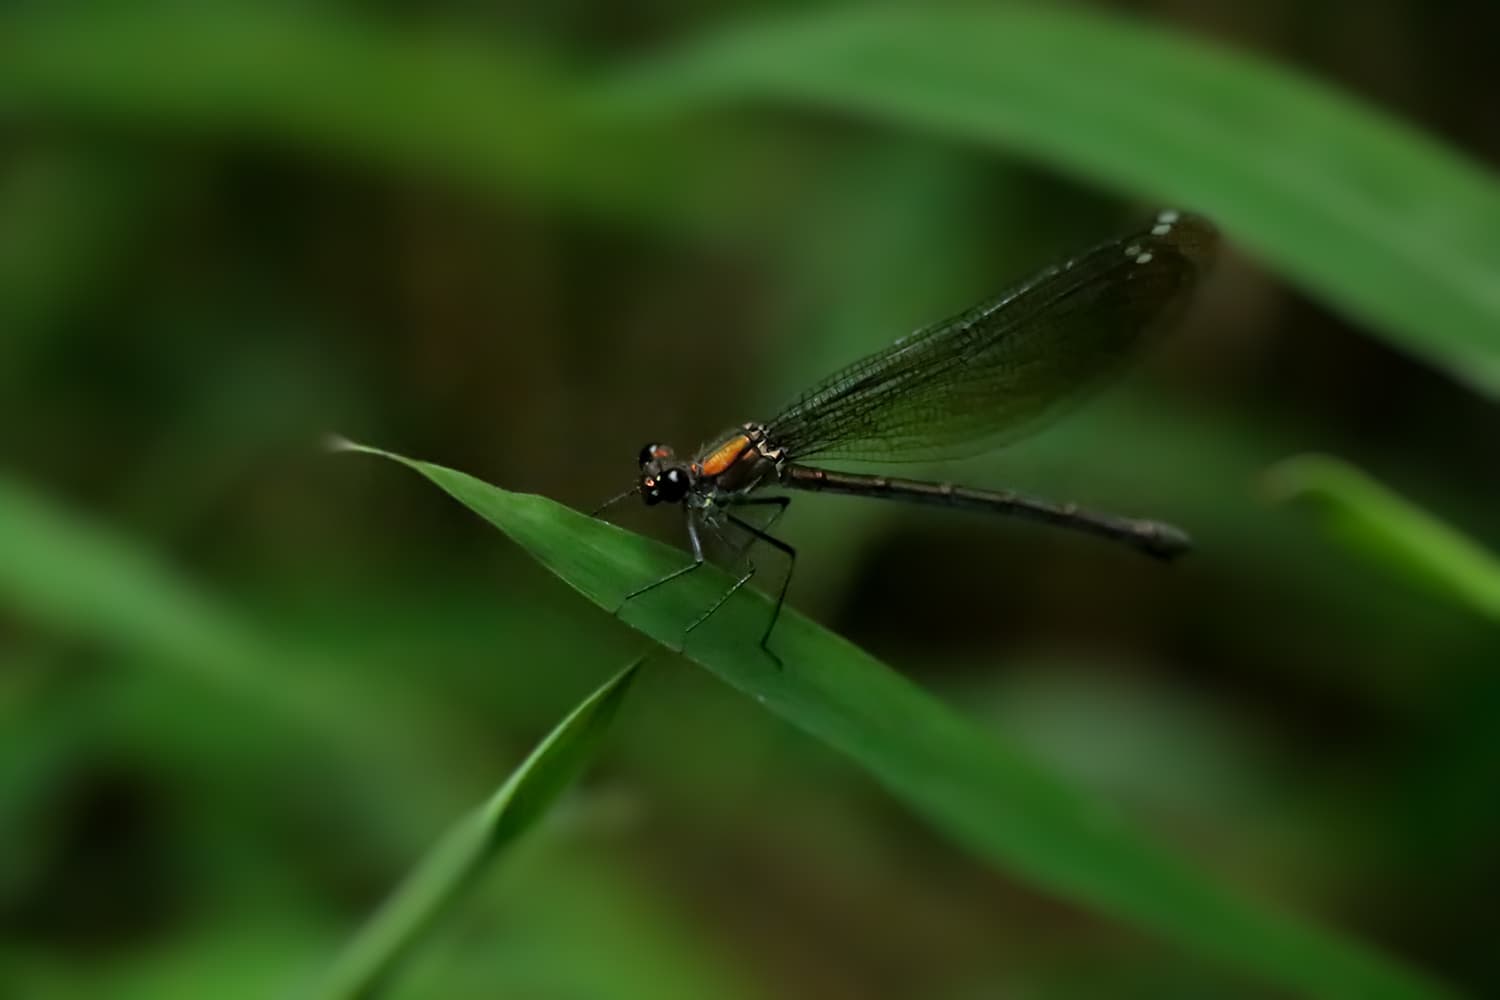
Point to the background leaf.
(1391, 531)
(451, 867)
(1331, 193)
(488, 118)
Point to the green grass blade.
(488, 117)
(1376, 218)
(1379, 220)
(72, 576)
(1369, 518)
(978, 790)
(63, 572)
(442, 876)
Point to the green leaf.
(643, 943)
(454, 864)
(1378, 219)
(63, 572)
(1367, 517)
(1400, 232)
(68, 574)
(489, 117)
(980, 791)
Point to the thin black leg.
(739, 550)
(756, 534)
(744, 579)
(698, 561)
(780, 503)
(786, 581)
(692, 530)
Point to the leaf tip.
(337, 444)
(1296, 478)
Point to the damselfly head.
(662, 477)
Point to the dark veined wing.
(986, 375)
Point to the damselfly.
(955, 388)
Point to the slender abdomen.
(1151, 537)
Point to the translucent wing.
(986, 375)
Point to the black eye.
(674, 484)
(654, 453)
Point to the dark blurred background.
(245, 683)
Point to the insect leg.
(786, 581)
(692, 530)
(780, 503)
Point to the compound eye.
(654, 452)
(673, 484)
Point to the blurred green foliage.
(244, 686)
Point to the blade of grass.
(982, 792)
(455, 862)
(1372, 216)
(1376, 522)
(63, 572)
(488, 117)
(643, 943)
(1376, 218)
(71, 576)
